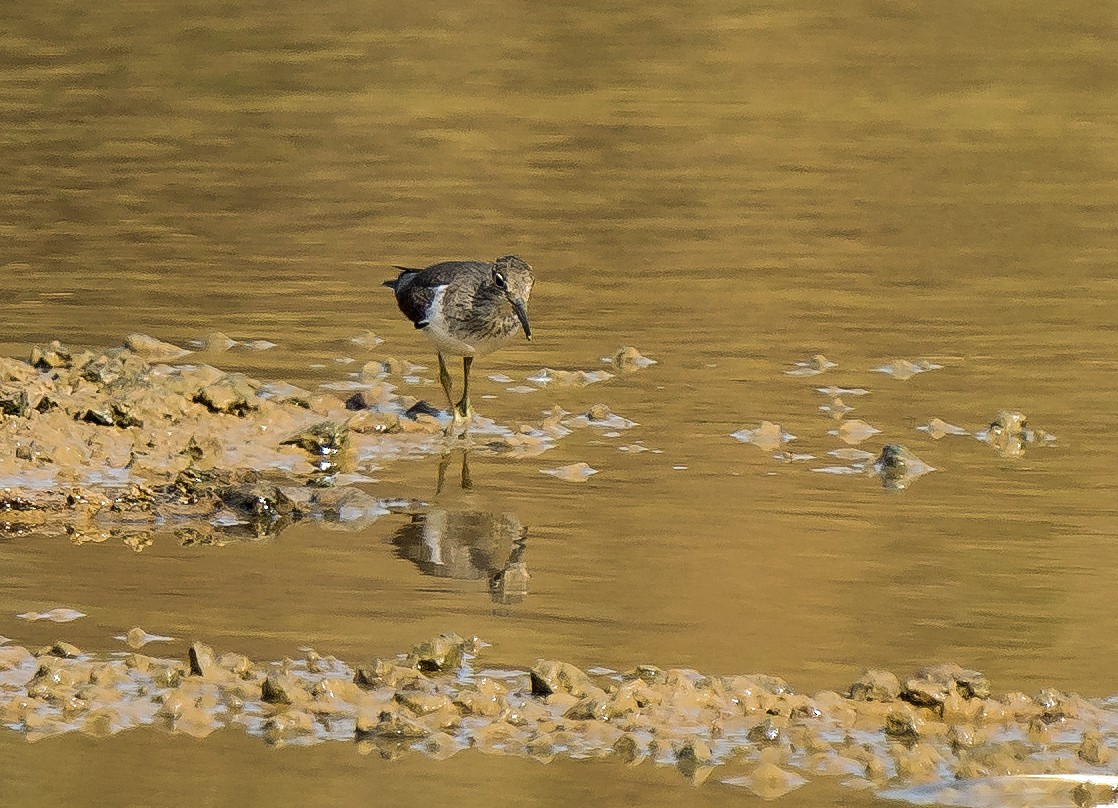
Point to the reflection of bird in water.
(468, 543)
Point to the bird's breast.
(464, 331)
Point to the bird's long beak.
(522, 315)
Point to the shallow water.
(730, 190)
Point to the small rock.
(937, 428)
(768, 781)
(898, 467)
(421, 704)
(15, 402)
(367, 340)
(930, 686)
(854, 431)
(153, 349)
(1093, 749)
(367, 422)
(363, 400)
(441, 745)
(55, 355)
(324, 439)
(14, 656)
(628, 359)
(61, 650)
(692, 756)
(54, 615)
(1088, 794)
(875, 685)
(917, 762)
(594, 706)
(648, 673)
(903, 724)
(278, 729)
(393, 724)
(282, 689)
(550, 677)
(574, 473)
(767, 437)
(811, 367)
(232, 394)
(439, 654)
(201, 659)
(257, 499)
(383, 673)
(767, 732)
(905, 368)
(961, 737)
(217, 342)
(630, 749)
(487, 697)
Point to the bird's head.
(513, 278)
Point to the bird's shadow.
(458, 537)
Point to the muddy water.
(730, 190)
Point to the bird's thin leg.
(444, 378)
(443, 463)
(467, 481)
(464, 410)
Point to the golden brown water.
(729, 189)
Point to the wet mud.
(938, 735)
(134, 441)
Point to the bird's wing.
(416, 288)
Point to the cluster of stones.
(940, 725)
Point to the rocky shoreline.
(941, 728)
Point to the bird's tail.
(392, 284)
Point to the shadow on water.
(459, 537)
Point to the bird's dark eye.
(499, 279)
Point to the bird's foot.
(460, 421)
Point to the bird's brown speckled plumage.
(467, 308)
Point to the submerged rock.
(768, 436)
(811, 367)
(1010, 433)
(574, 473)
(898, 467)
(938, 428)
(905, 368)
(768, 781)
(855, 431)
(60, 615)
(628, 359)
